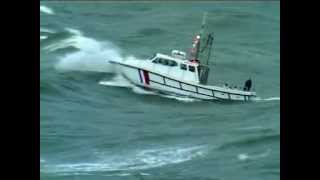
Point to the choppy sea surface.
(95, 125)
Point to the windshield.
(153, 56)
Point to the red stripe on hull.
(146, 76)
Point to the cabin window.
(183, 66)
(163, 61)
(191, 68)
(156, 61)
(153, 56)
(172, 63)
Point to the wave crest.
(46, 10)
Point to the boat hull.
(152, 80)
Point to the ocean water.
(95, 125)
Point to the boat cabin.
(178, 66)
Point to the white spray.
(46, 10)
(92, 55)
(132, 160)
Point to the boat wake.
(131, 161)
(117, 81)
(180, 98)
(267, 99)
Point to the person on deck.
(194, 61)
(247, 85)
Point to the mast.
(195, 50)
(204, 18)
(209, 41)
(200, 34)
(209, 45)
(205, 51)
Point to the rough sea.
(95, 125)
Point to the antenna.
(203, 22)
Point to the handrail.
(195, 86)
(164, 77)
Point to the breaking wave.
(246, 156)
(43, 37)
(46, 30)
(137, 160)
(92, 55)
(46, 10)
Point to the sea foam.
(134, 160)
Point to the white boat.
(182, 74)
